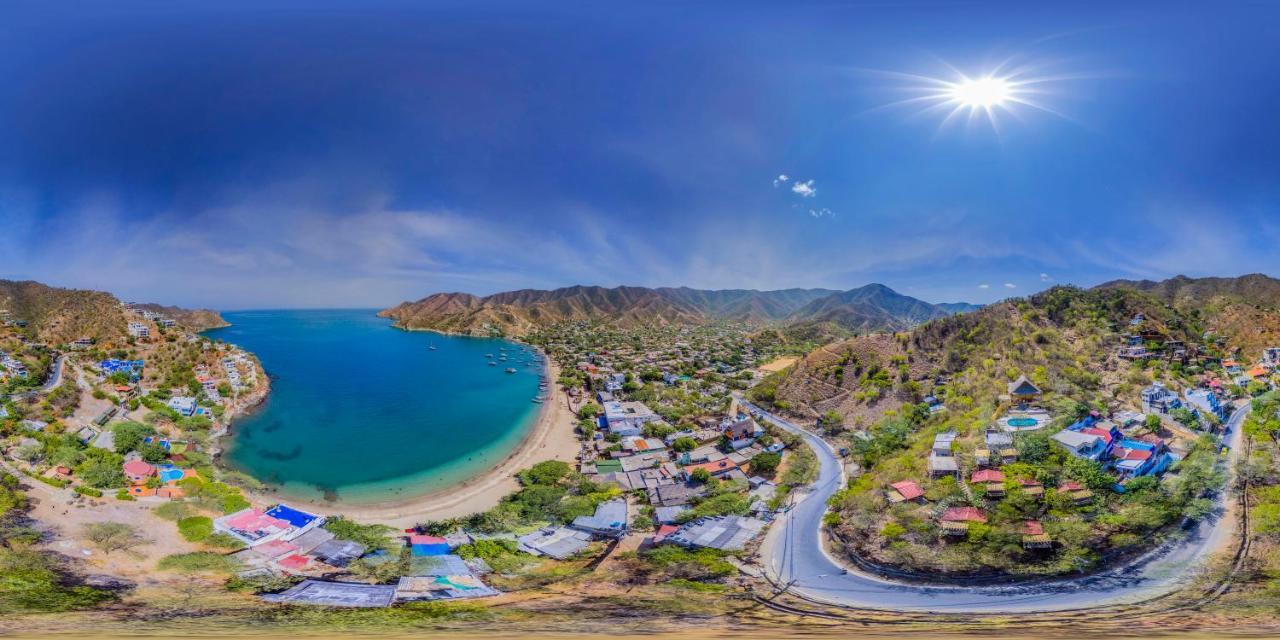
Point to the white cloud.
(1044, 277)
(804, 189)
(1010, 285)
(822, 213)
(984, 286)
(781, 180)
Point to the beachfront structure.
(139, 330)
(1206, 401)
(627, 418)
(184, 405)
(256, 527)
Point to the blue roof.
(438, 549)
(292, 516)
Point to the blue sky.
(274, 155)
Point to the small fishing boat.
(431, 347)
(510, 370)
(488, 355)
(492, 363)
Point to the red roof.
(964, 514)
(1028, 482)
(421, 539)
(987, 475)
(1070, 485)
(719, 466)
(1136, 454)
(138, 468)
(908, 489)
(664, 531)
(1032, 528)
(1101, 433)
(294, 561)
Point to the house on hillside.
(956, 520)
(1157, 398)
(741, 431)
(1023, 391)
(1206, 400)
(1089, 446)
(184, 405)
(905, 491)
(1034, 537)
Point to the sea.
(361, 412)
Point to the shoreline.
(551, 436)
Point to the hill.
(884, 398)
(869, 308)
(1244, 310)
(58, 316)
(194, 319)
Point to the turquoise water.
(362, 412)
(1023, 422)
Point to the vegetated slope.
(1063, 338)
(1065, 341)
(194, 319)
(874, 307)
(58, 316)
(1244, 310)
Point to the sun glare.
(983, 92)
(1002, 90)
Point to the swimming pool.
(171, 475)
(1023, 422)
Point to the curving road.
(55, 378)
(795, 558)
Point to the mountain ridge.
(869, 308)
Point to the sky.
(273, 154)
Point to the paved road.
(793, 555)
(55, 378)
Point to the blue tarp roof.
(439, 549)
(292, 516)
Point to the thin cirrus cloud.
(984, 286)
(1010, 285)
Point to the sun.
(985, 92)
(1005, 90)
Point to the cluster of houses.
(1103, 441)
(1112, 442)
(288, 541)
(131, 368)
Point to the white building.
(139, 330)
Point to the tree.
(129, 436)
(765, 464)
(832, 421)
(589, 410)
(701, 476)
(684, 443)
(153, 452)
(547, 472)
(101, 473)
(112, 536)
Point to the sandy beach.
(552, 437)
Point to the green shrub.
(198, 562)
(88, 491)
(196, 528)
